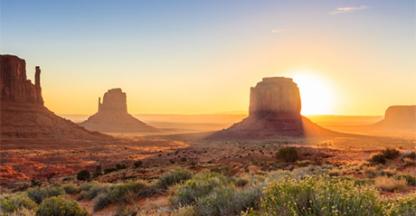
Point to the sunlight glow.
(316, 93)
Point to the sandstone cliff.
(112, 115)
(274, 111)
(399, 117)
(23, 114)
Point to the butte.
(112, 115)
(274, 111)
(23, 115)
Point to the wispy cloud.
(351, 9)
(278, 30)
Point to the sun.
(316, 93)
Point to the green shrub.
(174, 177)
(84, 175)
(39, 194)
(199, 186)
(120, 193)
(320, 196)
(227, 201)
(90, 190)
(71, 188)
(15, 203)
(184, 211)
(58, 206)
(287, 154)
(405, 206)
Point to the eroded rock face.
(275, 95)
(114, 100)
(14, 85)
(274, 111)
(23, 114)
(400, 117)
(112, 115)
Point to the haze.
(189, 57)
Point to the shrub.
(138, 163)
(84, 175)
(288, 154)
(58, 206)
(91, 190)
(410, 180)
(390, 153)
(405, 206)
(39, 194)
(411, 155)
(120, 193)
(184, 211)
(227, 201)
(16, 203)
(121, 166)
(199, 186)
(319, 196)
(71, 188)
(126, 211)
(378, 159)
(240, 182)
(174, 177)
(389, 184)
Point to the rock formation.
(399, 117)
(112, 115)
(274, 111)
(23, 114)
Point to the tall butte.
(274, 111)
(112, 115)
(23, 114)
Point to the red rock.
(112, 115)
(23, 114)
(274, 111)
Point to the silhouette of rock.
(274, 111)
(399, 117)
(112, 115)
(23, 114)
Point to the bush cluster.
(287, 154)
(383, 156)
(39, 194)
(58, 206)
(173, 177)
(120, 193)
(17, 202)
(319, 196)
(214, 194)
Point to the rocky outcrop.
(112, 115)
(277, 95)
(14, 85)
(274, 111)
(23, 114)
(399, 117)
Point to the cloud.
(351, 9)
(278, 30)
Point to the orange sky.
(352, 58)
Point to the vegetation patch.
(120, 193)
(287, 154)
(39, 194)
(16, 203)
(55, 206)
(173, 177)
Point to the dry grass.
(390, 184)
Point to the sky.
(198, 57)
